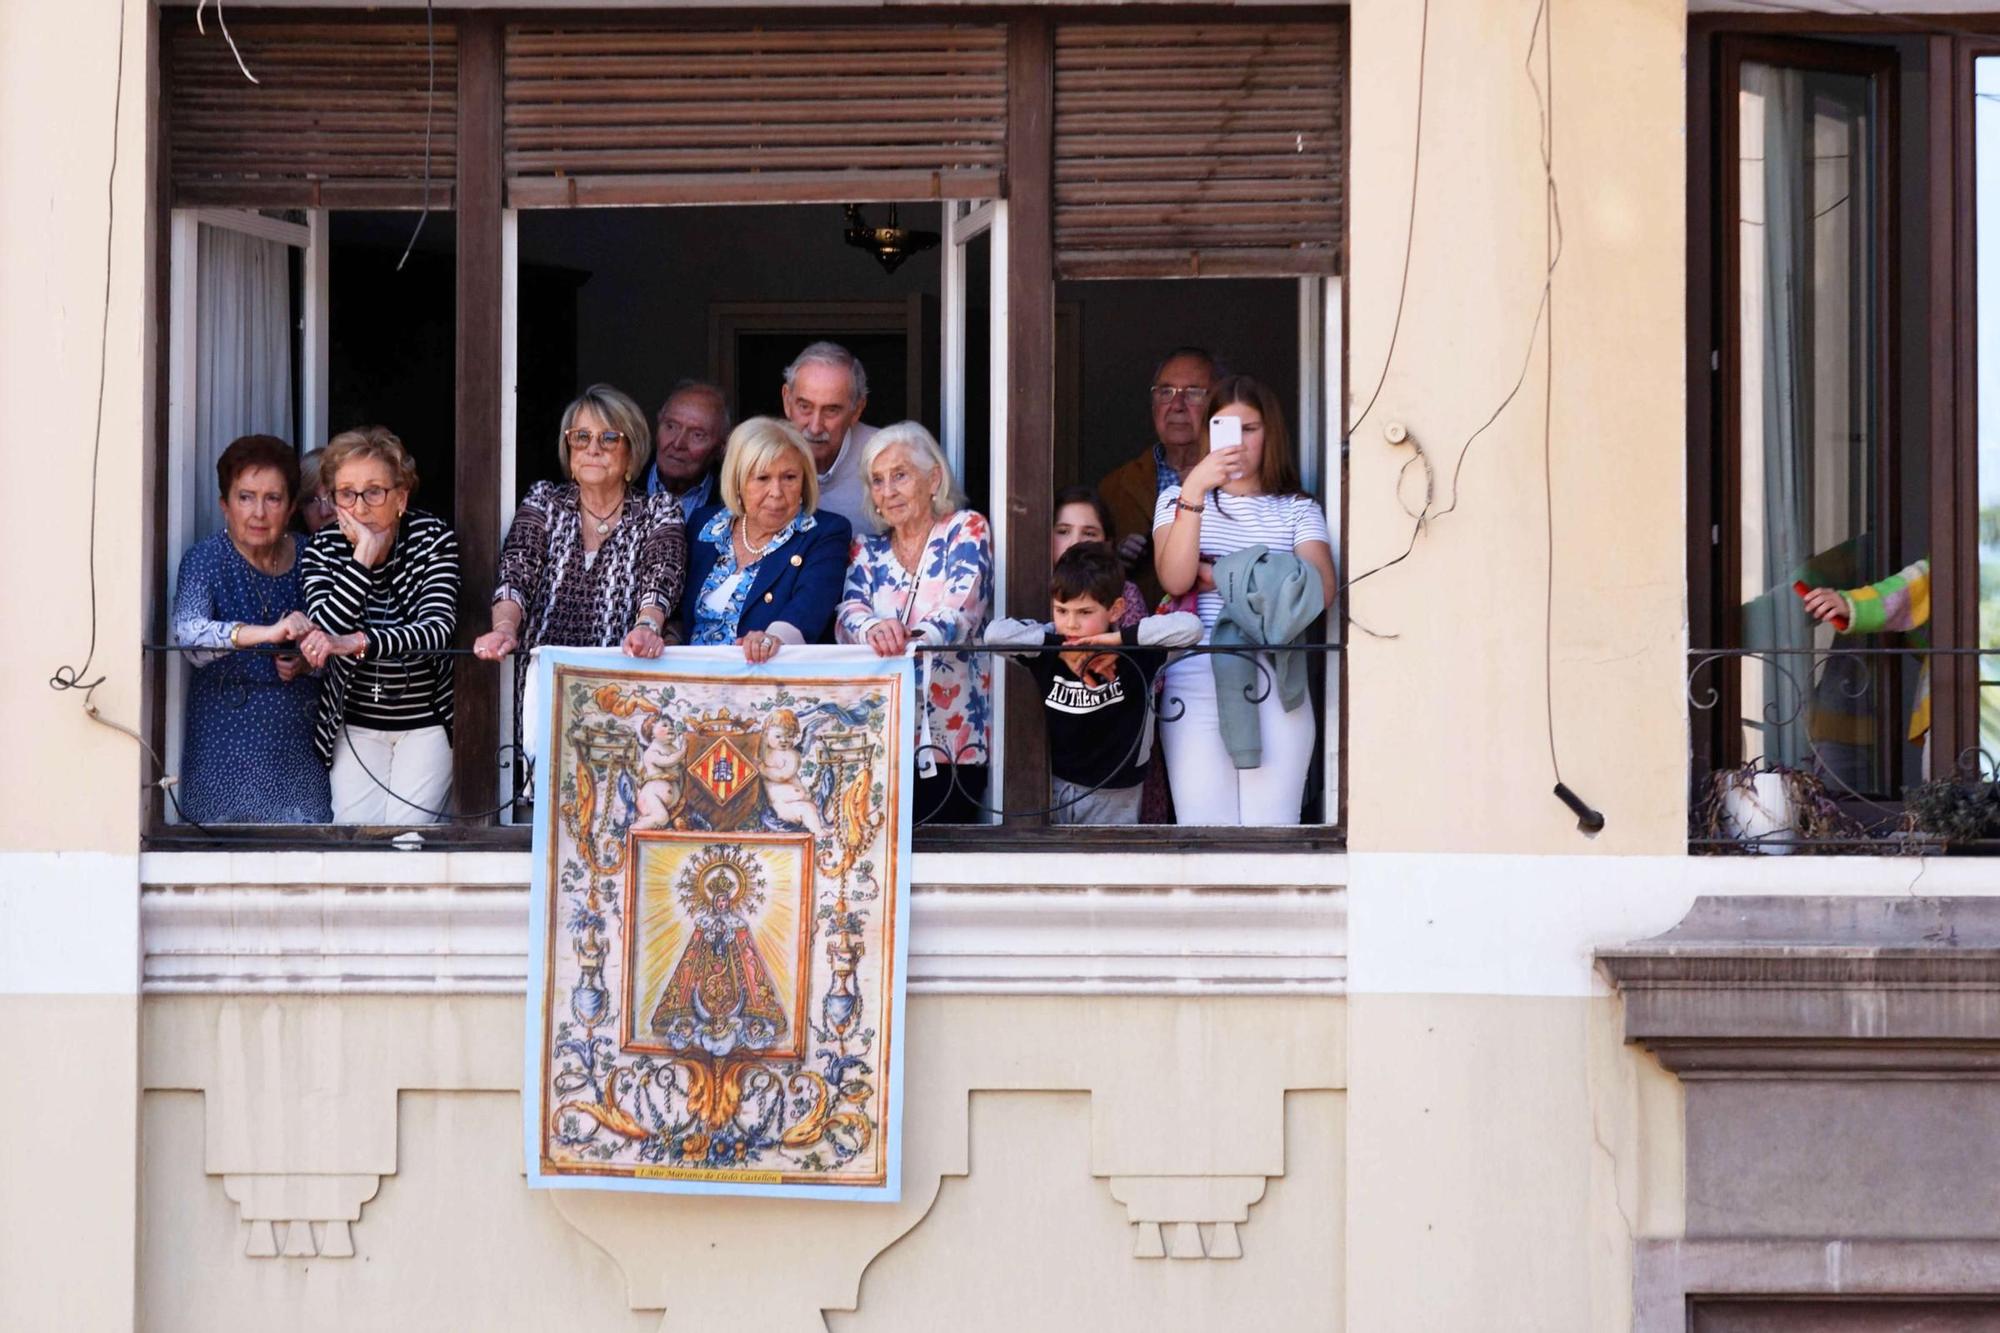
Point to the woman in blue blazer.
(763, 568)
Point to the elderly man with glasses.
(688, 436)
(1179, 397)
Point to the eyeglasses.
(694, 434)
(346, 497)
(1194, 395)
(588, 440)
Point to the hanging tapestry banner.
(720, 922)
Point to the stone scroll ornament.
(720, 922)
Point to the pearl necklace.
(756, 552)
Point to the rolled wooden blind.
(1187, 150)
(630, 115)
(336, 119)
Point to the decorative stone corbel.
(1169, 1213)
(282, 1212)
(650, 1237)
(300, 1097)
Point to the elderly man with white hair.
(826, 390)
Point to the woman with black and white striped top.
(381, 585)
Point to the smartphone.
(1225, 432)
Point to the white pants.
(414, 767)
(1208, 787)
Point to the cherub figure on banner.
(780, 764)
(818, 775)
(662, 774)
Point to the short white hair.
(831, 354)
(925, 451)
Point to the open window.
(475, 218)
(1840, 407)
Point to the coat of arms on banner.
(720, 924)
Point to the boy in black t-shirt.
(1098, 704)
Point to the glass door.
(1812, 486)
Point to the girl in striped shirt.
(1231, 500)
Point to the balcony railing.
(1829, 749)
(1016, 814)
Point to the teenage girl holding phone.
(1244, 492)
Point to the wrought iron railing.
(1167, 707)
(1828, 749)
(470, 821)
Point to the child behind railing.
(1096, 698)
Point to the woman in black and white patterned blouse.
(595, 562)
(381, 586)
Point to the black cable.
(1542, 309)
(1588, 820)
(441, 815)
(1410, 226)
(1546, 98)
(68, 677)
(1545, 27)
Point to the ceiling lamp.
(890, 245)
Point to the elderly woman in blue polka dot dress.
(247, 756)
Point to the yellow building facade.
(1377, 1086)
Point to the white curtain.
(243, 309)
(1787, 433)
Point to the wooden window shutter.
(336, 119)
(680, 115)
(1198, 149)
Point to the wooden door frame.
(1716, 55)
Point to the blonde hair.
(366, 442)
(618, 412)
(756, 444)
(926, 451)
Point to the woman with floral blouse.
(926, 578)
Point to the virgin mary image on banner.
(720, 995)
(719, 923)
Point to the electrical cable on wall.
(1421, 518)
(1540, 36)
(430, 107)
(1588, 820)
(79, 677)
(1410, 225)
(73, 677)
(222, 23)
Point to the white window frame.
(963, 221)
(184, 492)
(1321, 340)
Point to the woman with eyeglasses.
(246, 757)
(382, 588)
(595, 562)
